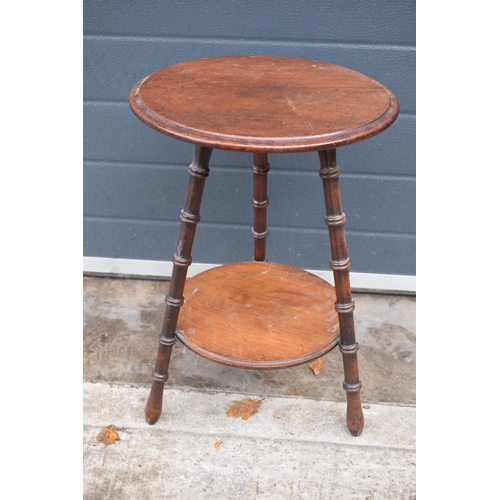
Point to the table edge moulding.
(164, 101)
(261, 315)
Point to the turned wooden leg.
(260, 201)
(340, 263)
(190, 216)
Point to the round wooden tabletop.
(270, 104)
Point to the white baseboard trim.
(372, 283)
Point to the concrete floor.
(295, 446)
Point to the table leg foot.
(354, 415)
(155, 403)
(159, 376)
(352, 387)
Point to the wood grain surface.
(259, 103)
(258, 315)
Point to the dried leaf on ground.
(217, 444)
(316, 366)
(244, 408)
(108, 435)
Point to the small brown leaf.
(108, 435)
(244, 408)
(217, 444)
(316, 366)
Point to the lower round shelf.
(258, 315)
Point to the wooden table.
(262, 315)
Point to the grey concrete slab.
(290, 448)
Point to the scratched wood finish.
(266, 104)
(259, 315)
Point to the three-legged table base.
(260, 315)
